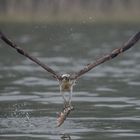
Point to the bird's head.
(65, 77)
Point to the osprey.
(67, 81)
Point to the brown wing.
(22, 52)
(110, 56)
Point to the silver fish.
(63, 115)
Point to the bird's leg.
(70, 97)
(65, 101)
(70, 93)
(63, 96)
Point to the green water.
(106, 100)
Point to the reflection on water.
(66, 137)
(106, 100)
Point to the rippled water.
(106, 100)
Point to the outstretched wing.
(110, 56)
(22, 52)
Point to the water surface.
(106, 100)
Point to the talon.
(65, 105)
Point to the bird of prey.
(67, 81)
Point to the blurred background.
(70, 10)
(67, 35)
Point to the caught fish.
(63, 115)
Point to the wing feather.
(22, 52)
(132, 41)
